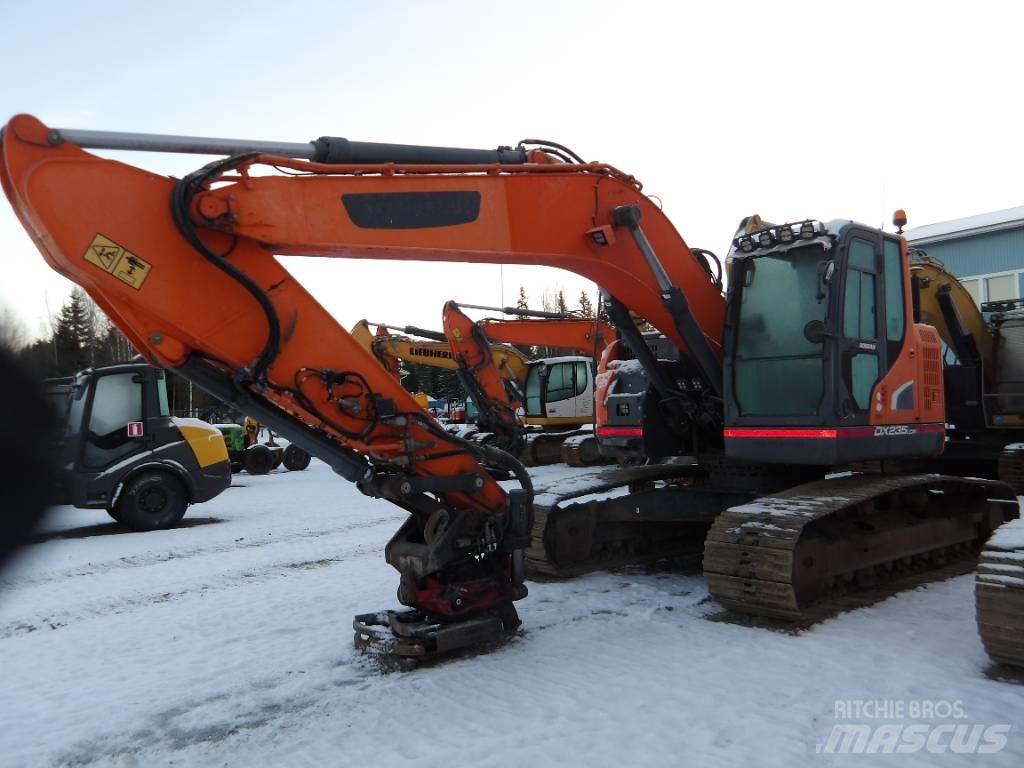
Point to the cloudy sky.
(722, 109)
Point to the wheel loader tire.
(259, 459)
(151, 501)
(295, 459)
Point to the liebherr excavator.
(433, 349)
(186, 268)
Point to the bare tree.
(549, 299)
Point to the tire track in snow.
(344, 682)
(54, 620)
(141, 561)
(171, 729)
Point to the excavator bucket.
(414, 637)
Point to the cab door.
(105, 441)
(860, 340)
(560, 398)
(584, 389)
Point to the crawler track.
(582, 451)
(621, 516)
(999, 595)
(792, 554)
(542, 448)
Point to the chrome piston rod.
(326, 149)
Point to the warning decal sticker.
(121, 263)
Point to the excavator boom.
(945, 304)
(186, 269)
(585, 336)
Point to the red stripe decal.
(818, 434)
(888, 430)
(620, 431)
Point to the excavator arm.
(585, 336)
(186, 269)
(384, 352)
(944, 303)
(497, 394)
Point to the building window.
(998, 287)
(1002, 288)
(974, 288)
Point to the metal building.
(985, 251)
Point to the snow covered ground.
(228, 642)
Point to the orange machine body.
(108, 227)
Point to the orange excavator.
(823, 362)
(562, 389)
(556, 396)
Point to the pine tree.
(563, 308)
(522, 302)
(586, 308)
(73, 335)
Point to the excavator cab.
(823, 361)
(559, 391)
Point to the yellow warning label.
(118, 261)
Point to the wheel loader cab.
(122, 451)
(823, 362)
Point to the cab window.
(161, 392)
(116, 401)
(859, 304)
(860, 361)
(561, 385)
(778, 369)
(534, 383)
(581, 378)
(894, 315)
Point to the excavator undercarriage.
(790, 553)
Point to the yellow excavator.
(984, 368)
(431, 349)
